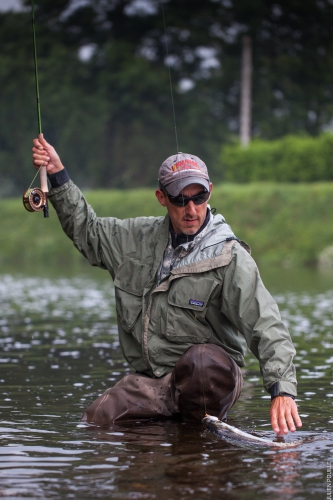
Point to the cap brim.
(174, 188)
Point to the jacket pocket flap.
(191, 292)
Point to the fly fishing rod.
(35, 199)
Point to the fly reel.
(34, 200)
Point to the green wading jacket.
(215, 296)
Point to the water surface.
(60, 350)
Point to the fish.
(230, 433)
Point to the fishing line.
(171, 92)
(33, 180)
(35, 200)
(170, 80)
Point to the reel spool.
(34, 200)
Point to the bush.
(290, 159)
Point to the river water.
(59, 351)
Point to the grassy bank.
(285, 224)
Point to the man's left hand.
(284, 415)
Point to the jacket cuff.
(59, 178)
(282, 388)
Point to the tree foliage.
(104, 81)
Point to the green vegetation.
(290, 159)
(285, 224)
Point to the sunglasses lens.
(178, 201)
(181, 201)
(201, 198)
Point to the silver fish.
(223, 429)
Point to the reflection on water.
(59, 351)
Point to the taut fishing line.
(170, 80)
(35, 199)
(171, 88)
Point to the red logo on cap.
(184, 165)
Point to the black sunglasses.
(182, 201)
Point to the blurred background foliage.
(292, 158)
(105, 95)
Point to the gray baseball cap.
(180, 170)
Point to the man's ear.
(160, 197)
(210, 189)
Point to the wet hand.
(45, 154)
(284, 415)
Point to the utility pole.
(246, 77)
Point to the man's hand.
(44, 154)
(284, 415)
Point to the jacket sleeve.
(105, 241)
(251, 308)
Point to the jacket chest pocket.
(188, 301)
(130, 280)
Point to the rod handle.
(43, 179)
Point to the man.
(187, 295)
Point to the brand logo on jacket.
(196, 303)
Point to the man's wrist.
(275, 391)
(59, 178)
(284, 394)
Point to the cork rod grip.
(43, 179)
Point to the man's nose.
(191, 208)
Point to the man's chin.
(190, 230)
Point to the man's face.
(187, 219)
